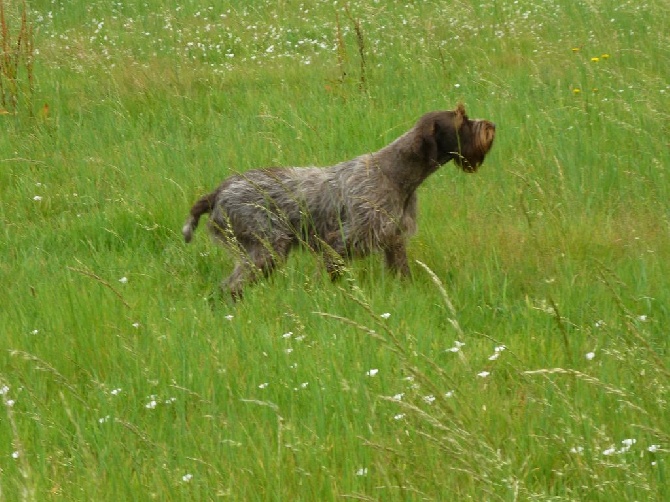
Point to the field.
(527, 359)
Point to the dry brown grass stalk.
(16, 62)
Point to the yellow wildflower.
(576, 91)
(595, 60)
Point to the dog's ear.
(459, 116)
(438, 135)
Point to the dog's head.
(446, 135)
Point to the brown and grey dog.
(349, 209)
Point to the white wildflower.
(187, 477)
(363, 471)
(590, 355)
(483, 374)
(263, 385)
(653, 448)
(15, 454)
(385, 315)
(372, 372)
(123, 280)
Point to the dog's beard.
(484, 133)
(470, 158)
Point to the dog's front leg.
(396, 258)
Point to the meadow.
(528, 357)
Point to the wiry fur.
(350, 209)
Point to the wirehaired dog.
(349, 209)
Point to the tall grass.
(527, 359)
(16, 62)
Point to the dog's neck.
(401, 164)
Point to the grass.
(527, 360)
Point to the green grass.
(558, 249)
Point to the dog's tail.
(204, 205)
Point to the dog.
(350, 209)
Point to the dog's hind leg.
(261, 260)
(333, 250)
(234, 283)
